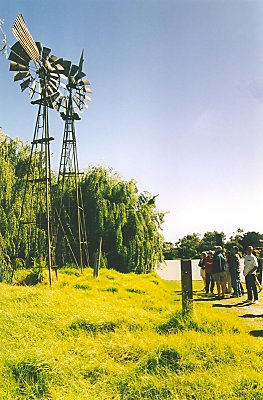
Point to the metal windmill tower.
(39, 72)
(71, 222)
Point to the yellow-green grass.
(122, 337)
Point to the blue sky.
(177, 100)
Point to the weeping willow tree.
(13, 161)
(126, 220)
(14, 158)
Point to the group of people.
(223, 270)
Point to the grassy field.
(123, 337)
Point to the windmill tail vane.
(26, 40)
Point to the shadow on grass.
(258, 333)
(241, 304)
(224, 305)
(205, 297)
(251, 316)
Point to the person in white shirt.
(250, 267)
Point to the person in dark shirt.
(219, 271)
(234, 269)
(201, 264)
(208, 273)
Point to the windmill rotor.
(75, 89)
(32, 63)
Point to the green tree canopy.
(188, 246)
(250, 239)
(126, 220)
(211, 239)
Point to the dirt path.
(252, 313)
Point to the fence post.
(187, 287)
(97, 259)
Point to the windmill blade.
(54, 60)
(52, 87)
(58, 103)
(50, 90)
(54, 97)
(18, 49)
(14, 57)
(84, 90)
(77, 104)
(49, 102)
(66, 65)
(33, 85)
(45, 52)
(74, 69)
(37, 89)
(24, 85)
(53, 81)
(80, 96)
(39, 46)
(79, 75)
(24, 37)
(54, 76)
(32, 88)
(20, 75)
(64, 103)
(84, 82)
(17, 67)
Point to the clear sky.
(177, 100)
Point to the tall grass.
(122, 337)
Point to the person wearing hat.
(219, 271)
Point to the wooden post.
(95, 264)
(97, 258)
(187, 287)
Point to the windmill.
(72, 221)
(40, 73)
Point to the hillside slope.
(122, 337)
